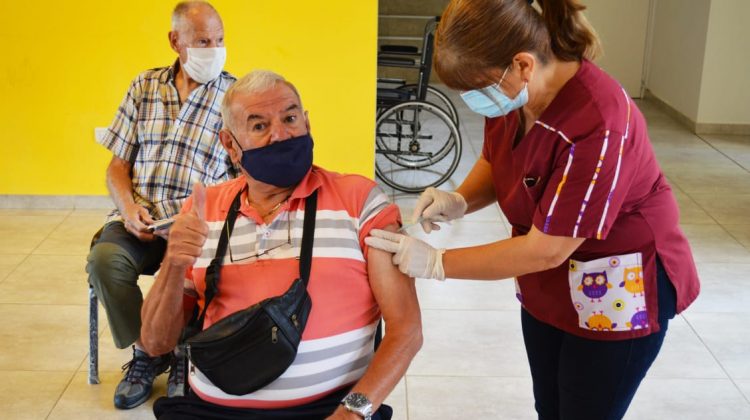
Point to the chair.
(93, 377)
(93, 337)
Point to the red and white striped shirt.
(337, 344)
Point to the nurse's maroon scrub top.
(586, 169)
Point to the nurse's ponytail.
(475, 36)
(571, 35)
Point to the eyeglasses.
(285, 245)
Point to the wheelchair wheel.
(417, 146)
(434, 96)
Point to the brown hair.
(475, 36)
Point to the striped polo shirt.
(337, 344)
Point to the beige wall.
(621, 26)
(725, 87)
(677, 53)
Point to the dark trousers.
(581, 379)
(191, 407)
(114, 263)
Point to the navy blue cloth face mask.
(282, 163)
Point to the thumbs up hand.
(189, 232)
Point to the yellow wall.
(67, 65)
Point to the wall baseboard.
(55, 202)
(696, 127)
(708, 128)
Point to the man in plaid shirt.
(164, 138)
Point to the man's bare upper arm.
(394, 291)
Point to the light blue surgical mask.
(491, 102)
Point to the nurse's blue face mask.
(491, 102)
(282, 163)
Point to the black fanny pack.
(249, 349)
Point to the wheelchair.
(417, 139)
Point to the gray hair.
(257, 81)
(184, 7)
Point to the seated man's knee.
(108, 261)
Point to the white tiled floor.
(473, 363)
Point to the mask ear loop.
(496, 86)
(503, 76)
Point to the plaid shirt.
(170, 145)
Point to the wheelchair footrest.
(396, 95)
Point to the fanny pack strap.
(214, 268)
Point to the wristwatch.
(359, 404)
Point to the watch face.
(357, 400)
(359, 404)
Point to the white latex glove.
(414, 257)
(438, 206)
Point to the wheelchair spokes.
(410, 137)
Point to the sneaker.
(135, 388)
(176, 381)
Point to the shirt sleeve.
(586, 188)
(121, 137)
(377, 213)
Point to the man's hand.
(162, 233)
(136, 219)
(414, 257)
(189, 232)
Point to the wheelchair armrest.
(399, 49)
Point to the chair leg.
(93, 338)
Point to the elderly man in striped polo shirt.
(163, 139)
(336, 373)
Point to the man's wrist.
(359, 404)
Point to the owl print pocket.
(608, 293)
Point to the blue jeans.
(577, 378)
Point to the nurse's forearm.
(508, 258)
(478, 189)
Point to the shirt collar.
(311, 182)
(171, 74)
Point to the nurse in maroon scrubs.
(599, 259)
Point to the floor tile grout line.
(731, 379)
(721, 225)
(735, 238)
(23, 260)
(57, 401)
(52, 230)
(31, 252)
(67, 216)
(406, 394)
(711, 145)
